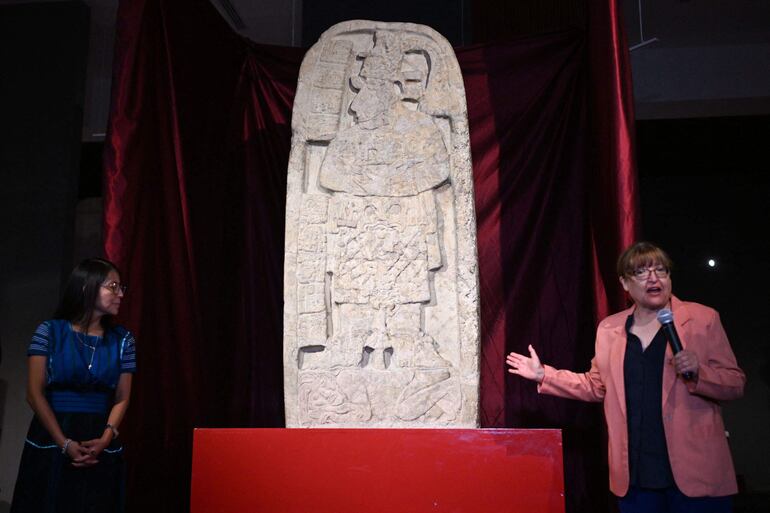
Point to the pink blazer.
(692, 418)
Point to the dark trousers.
(671, 500)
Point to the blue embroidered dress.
(82, 373)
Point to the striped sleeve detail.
(41, 340)
(128, 353)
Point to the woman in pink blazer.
(668, 450)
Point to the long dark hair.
(77, 303)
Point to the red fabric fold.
(615, 224)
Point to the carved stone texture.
(381, 322)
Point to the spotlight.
(712, 263)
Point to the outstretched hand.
(526, 367)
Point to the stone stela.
(381, 315)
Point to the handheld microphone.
(666, 319)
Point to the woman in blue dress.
(80, 367)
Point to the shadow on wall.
(764, 373)
(4, 506)
(3, 400)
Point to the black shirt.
(643, 379)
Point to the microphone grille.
(665, 316)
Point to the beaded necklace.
(81, 338)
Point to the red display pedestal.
(377, 470)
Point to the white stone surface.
(381, 315)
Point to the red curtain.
(614, 212)
(195, 166)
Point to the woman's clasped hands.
(86, 454)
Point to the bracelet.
(115, 432)
(67, 443)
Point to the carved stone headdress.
(383, 61)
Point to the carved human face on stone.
(374, 97)
(414, 75)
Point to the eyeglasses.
(644, 273)
(115, 287)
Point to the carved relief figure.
(364, 352)
(383, 223)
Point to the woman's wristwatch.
(115, 432)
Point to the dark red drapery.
(195, 166)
